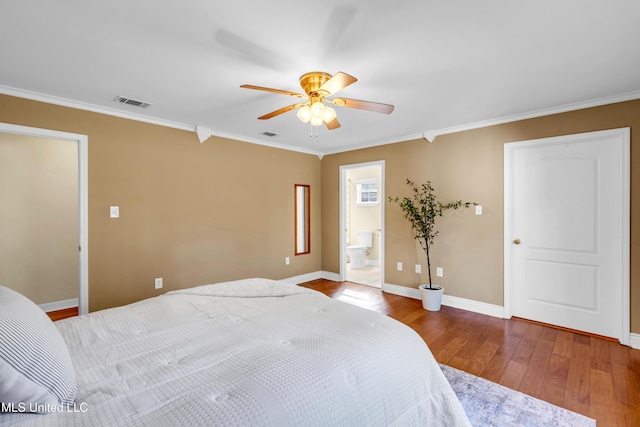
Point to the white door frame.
(624, 137)
(83, 187)
(343, 214)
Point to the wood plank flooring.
(63, 314)
(593, 376)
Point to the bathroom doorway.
(362, 223)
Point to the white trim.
(342, 274)
(59, 305)
(449, 300)
(625, 232)
(506, 249)
(381, 196)
(83, 222)
(634, 340)
(49, 99)
(430, 135)
(403, 291)
(400, 138)
(302, 278)
(474, 306)
(83, 199)
(487, 309)
(334, 277)
(624, 135)
(64, 102)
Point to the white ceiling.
(445, 65)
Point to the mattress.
(253, 352)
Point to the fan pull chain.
(311, 131)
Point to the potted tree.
(422, 209)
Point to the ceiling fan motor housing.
(311, 82)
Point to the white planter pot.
(431, 298)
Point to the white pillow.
(35, 366)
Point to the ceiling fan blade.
(363, 105)
(268, 89)
(338, 82)
(333, 124)
(280, 111)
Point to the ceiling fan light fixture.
(316, 121)
(317, 110)
(317, 87)
(329, 114)
(304, 113)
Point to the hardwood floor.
(63, 314)
(593, 376)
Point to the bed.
(252, 352)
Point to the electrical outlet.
(286, 260)
(158, 283)
(418, 268)
(439, 272)
(399, 266)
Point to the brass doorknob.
(517, 241)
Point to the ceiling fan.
(317, 87)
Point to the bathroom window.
(367, 192)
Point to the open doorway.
(361, 223)
(38, 216)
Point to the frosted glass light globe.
(304, 113)
(317, 110)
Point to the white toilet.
(357, 253)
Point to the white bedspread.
(249, 353)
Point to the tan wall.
(469, 165)
(191, 213)
(39, 217)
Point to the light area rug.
(490, 404)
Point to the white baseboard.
(634, 340)
(474, 306)
(296, 280)
(403, 291)
(59, 305)
(334, 277)
(449, 300)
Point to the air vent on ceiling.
(270, 134)
(129, 101)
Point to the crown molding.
(430, 135)
(387, 141)
(64, 102)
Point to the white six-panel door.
(567, 231)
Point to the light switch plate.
(399, 266)
(478, 209)
(439, 271)
(114, 211)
